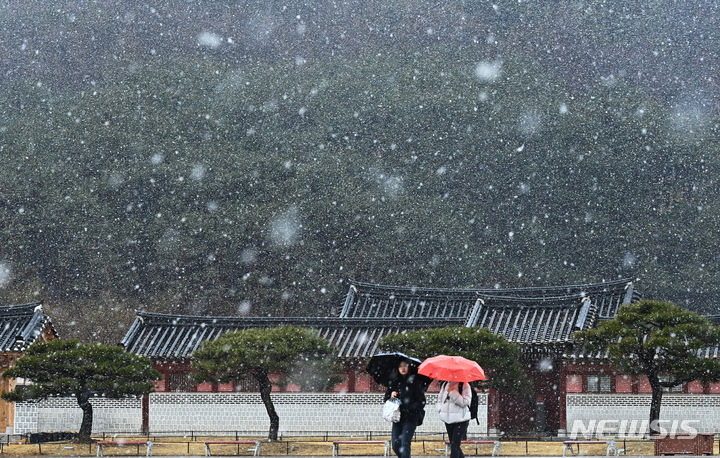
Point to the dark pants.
(402, 434)
(457, 432)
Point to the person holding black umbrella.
(409, 387)
(384, 366)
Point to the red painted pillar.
(350, 372)
(562, 398)
(493, 406)
(146, 414)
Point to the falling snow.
(285, 227)
(202, 159)
(4, 274)
(209, 40)
(488, 71)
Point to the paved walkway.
(354, 456)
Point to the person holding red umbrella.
(453, 403)
(453, 406)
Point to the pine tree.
(298, 355)
(657, 339)
(81, 370)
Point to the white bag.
(391, 410)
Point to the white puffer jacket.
(452, 406)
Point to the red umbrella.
(452, 369)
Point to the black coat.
(411, 392)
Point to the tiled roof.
(366, 300)
(381, 301)
(21, 326)
(173, 337)
(546, 315)
(580, 352)
(534, 320)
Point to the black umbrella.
(383, 366)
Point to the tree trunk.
(87, 419)
(265, 389)
(657, 393)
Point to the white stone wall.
(63, 414)
(702, 409)
(26, 418)
(300, 413)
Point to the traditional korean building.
(540, 320)
(20, 327)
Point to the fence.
(319, 443)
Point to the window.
(598, 384)
(605, 384)
(178, 381)
(674, 389)
(248, 383)
(592, 384)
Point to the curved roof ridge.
(22, 325)
(283, 319)
(23, 308)
(144, 314)
(578, 298)
(416, 289)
